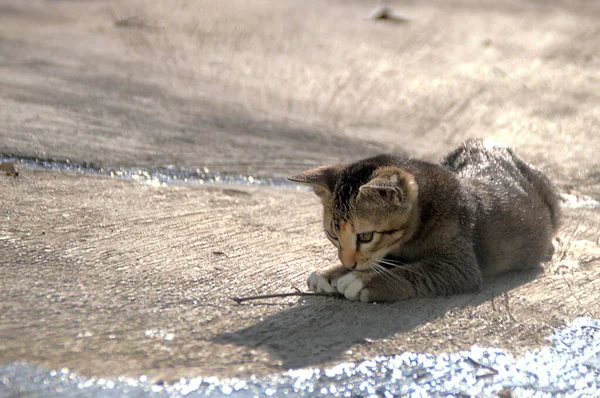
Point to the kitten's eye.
(332, 236)
(365, 237)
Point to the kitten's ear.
(322, 179)
(389, 186)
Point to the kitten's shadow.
(321, 329)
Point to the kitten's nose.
(348, 258)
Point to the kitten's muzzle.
(348, 259)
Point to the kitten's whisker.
(394, 275)
(395, 284)
(393, 261)
(377, 271)
(380, 271)
(396, 281)
(396, 265)
(391, 275)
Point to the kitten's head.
(368, 207)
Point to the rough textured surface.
(111, 278)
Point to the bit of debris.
(131, 22)
(505, 393)
(10, 169)
(385, 13)
(491, 370)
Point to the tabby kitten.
(409, 228)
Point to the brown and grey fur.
(441, 228)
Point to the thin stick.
(267, 296)
(296, 289)
(493, 371)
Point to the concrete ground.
(110, 277)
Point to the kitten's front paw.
(352, 287)
(319, 284)
(364, 296)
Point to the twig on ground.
(591, 327)
(267, 296)
(493, 371)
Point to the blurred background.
(273, 87)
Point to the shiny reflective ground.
(569, 367)
(158, 176)
(150, 175)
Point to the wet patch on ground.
(156, 176)
(165, 175)
(571, 365)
